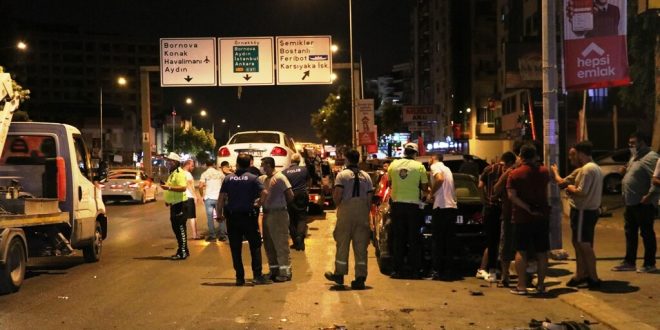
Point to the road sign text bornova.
(304, 60)
(188, 62)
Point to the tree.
(192, 141)
(640, 96)
(391, 121)
(333, 120)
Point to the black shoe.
(270, 276)
(294, 246)
(358, 284)
(210, 239)
(574, 282)
(240, 281)
(179, 256)
(260, 280)
(397, 275)
(330, 276)
(281, 278)
(222, 238)
(436, 276)
(594, 284)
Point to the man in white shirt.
(193, 198)
(209, 186)
(443, 196)
(585, 198)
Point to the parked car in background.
(454, 161)
(610, 165)
(470, 232)
(128, 185)
(259, 144)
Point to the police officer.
(300, 180)
(352, 195)
(241, 192)
(407, 177)
(175, 197)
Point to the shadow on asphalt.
(153, 258)
(337, 287)
(248, 283)
(617, 287)
(553, 293)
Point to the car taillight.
(477, 217)
(223, 152)
(61, 179)
(278, 151)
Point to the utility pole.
(550, 127)
(145, 104)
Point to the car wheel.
(612, 184)
(92, 252)
(13, 272)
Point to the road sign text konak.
(188, 62)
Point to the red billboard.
(595, 54)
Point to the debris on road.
(476, 293)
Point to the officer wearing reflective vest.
(241, 192)
(352, 195)
(175, 196)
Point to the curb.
(603, 312)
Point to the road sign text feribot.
(304, 60)
(188, 62)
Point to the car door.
(84, 191)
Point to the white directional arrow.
(593, 48)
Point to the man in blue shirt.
(300, 180)
(241, 192)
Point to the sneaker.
(492, 277)
(624, 267)
(482, 274)
(358, 284)
(260, 280)
(647, 269)
(330, 276)
(210, 239)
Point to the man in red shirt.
(527, 191)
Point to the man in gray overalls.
(352, 195)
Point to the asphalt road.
(135, 285)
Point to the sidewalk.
(627, 300)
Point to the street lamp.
(334, 48)
(121, 81)
(21, 45)
(189, 100)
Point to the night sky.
(380, 36)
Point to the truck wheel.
(92, 252)
(13, 272)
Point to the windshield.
(256, 138)
(465, 188)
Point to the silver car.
(128, 185)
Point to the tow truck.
(49, 205)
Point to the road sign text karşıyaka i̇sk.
(290, 51)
